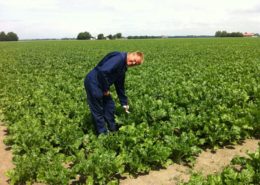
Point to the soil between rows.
(206, 163)
(5, 156)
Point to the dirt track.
(5, 157)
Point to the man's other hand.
(126, 107)
(107, 93)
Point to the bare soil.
(206, 163)
(5, 156)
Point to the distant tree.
(118, 36)
(218, 34)
(100, 36)
(232, 34)
(84, 36)
(110, 36)
(11, 36)
(224, 34)
(2, 36)
(235, 34)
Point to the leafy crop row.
(242, 171)
(189, 94)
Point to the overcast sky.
(66, 18)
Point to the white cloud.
(57, 18)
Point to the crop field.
(189, 94)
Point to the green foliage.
(117, 36)
(41, 167)
(226, 34)
(242, 171)
(110, 36)
(84, 36)
(2, 36)
(188, 94)
(10, 36)
(101, 36)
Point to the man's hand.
(126, 107)
(107, 93)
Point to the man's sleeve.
(108, 67)
(120, 90)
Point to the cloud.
(252, 10)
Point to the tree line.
(143, 37)
(10, 36)
(226, 34)
(87, 36)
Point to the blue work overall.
(110, 70)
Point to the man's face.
(133, 59)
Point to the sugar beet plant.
(189, 94)
(242, 170)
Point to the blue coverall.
(110, 70)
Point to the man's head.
(134, 58)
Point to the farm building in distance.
(247, 34)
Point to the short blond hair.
(140, 54)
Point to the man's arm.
(120, 90)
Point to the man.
(110, 70)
